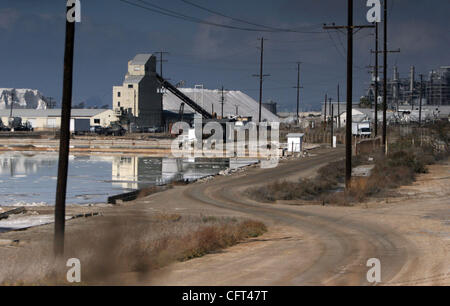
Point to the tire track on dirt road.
(344, 243)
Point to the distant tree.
(365, 102)
(81, 105)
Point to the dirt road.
(315, 245)
(305, 245)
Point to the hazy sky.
(112, 32)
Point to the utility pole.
(348, 141)
(385, 78)
(421, 97)
(261, 77)
(63, 165)
(330, 110)
(222, 100)
(385, 52)
(332, 125)
(51, 103)
(348, 138)
(376, 81)
(339, 106)
(412, 86)
(161, 61)
(298, 92)
(325, 111)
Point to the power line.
(335, 46)
(171, 13)
(244, 21)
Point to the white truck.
(80, 126)
(361, 128)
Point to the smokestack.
(396, 75)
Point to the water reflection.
(30, 179)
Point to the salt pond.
(30, 179)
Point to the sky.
(112, 32)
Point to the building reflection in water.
(134, 172)
(31, 178)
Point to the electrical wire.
(170, 13)
(243, 21)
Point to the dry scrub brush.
(123, 245)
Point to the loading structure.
(185, 99)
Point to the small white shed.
(295, 142)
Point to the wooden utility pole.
(385, 78)
(421, 97)
(329, 107)
(348, 138)
(385, 53)
(325, 111)
(261, 78)
(222, 100)
(339, 105)
(63, 164)
(161, 61)
(376, 81)
(332, 125)
(298, 92)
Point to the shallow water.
(30, 179)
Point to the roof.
(141, 59)
(133, 79)
(295, 135)
(246, 105)
(51, 112)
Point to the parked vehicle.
(97, 129)
(361, 128)
(114, 130)
(22, 128)
(80, 126)
(154, 129)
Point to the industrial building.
(138, 99)
(236, 103)
(148, 100)
(50, 119)
(406, 91)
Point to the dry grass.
(123, 245)
(408, 156)
(329, 178)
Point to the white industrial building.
(50, 119)
(295, 142)
(138, 98)
(142, 100)
(236, 103)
